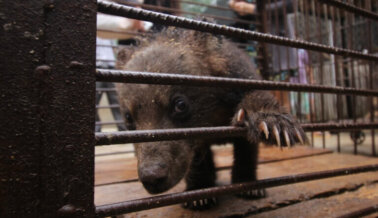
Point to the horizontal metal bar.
(109, 123)
(118, 182)
(361, 212)
(171, 20)
(205, 5)
(113, 46)
(167, 134)
(178, 11)
(115, 153)
(169, 199)
(123, 137)
(351, 8)
(107, 106)
(106, 60)
(226, 167)
(106, 89)
(183, 79)
(126, 32)
(311, 127)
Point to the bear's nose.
(153, 177)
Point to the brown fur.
(162, 164)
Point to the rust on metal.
(178, 11)
(107, 106)
(169, 199)
(204, 5)
(351, 8)
(168, 134)
(110, 122)
(362, 212)
(181, 79)
(136, 136)
(106, 89)
(220, 168)
(47, 109)
(171, 20)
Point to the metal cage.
(48, 94)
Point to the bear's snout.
(154, 178)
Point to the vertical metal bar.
(296, 26)
(352, 73)
(336, 65)
(19, 111)
(320, 59)
(269, 29)
(306, 9)
(371, 78)
(284, 18)
(299, 99)
(278, 47)
(48, 90)
(263, 50)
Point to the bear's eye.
(180, 108)
(128, 117)
(180, 105)
(130, 125)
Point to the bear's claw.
(252, 194)
(285, 131)
(201, 204)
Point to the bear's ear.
(124, 55)
(207, 39)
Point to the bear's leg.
(245, 166)
(201, 175)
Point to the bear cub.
(161, 165)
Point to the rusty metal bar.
(181, 79)
(337, 74)
(221, 168)
(351, 8)
(169, 199)
(126, 32)
(371, 79)
(123, 137)
(167, 134)
(306, 8)
(114, 153)
(204, 5)
(361, 212)
(113, 46)
(110, 122)
(107, 106)
(263, 49)
(351, 73)
(46, 113)
(319, 22)
(277, 48)
(106, 60)
(106, 90)
(165, 19)
(118, 182)
(296, 29)
(174, 10)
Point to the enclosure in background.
(311, 21)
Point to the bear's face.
(163, 164)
